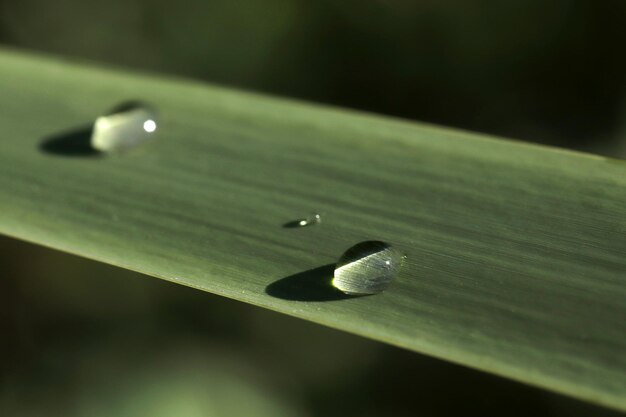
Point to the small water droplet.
(311, 220)
(305, 221)
(367, 268)
(125, 127)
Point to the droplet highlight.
(367, 268)
(124, 128)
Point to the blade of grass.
(515, 252)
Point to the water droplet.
(367, 268)
(305, 221)
(311, 220)
(125, 127)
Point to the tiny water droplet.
(311, 220)
(125, 127)
(367, 268)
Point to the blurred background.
(84, 339)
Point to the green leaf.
(515, 253)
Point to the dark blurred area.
(85, 339)
(549, 72)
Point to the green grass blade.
(515, 261)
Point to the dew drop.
(367, 268)
(124, 128)
(311, 220)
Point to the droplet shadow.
(73, 143)
(312, 285)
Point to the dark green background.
(83, 339)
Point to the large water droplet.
(125, 127)
(367, 268)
